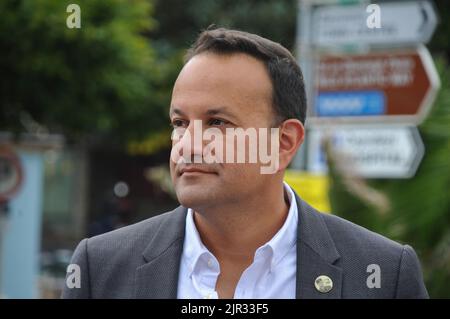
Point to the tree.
(180, 21)
(111, 78)
(97, 80)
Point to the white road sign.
(401, 22)
(369, 151)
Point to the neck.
(236, 230)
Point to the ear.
(292, 134)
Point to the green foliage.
(94, 80)
(113, 77)
(180, 21)
(441, 41)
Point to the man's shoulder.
(109, 261)
(348, 234)
(363, 252)
(135, 236)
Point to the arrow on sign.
(394, 86)
(402, 23)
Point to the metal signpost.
(372, 84)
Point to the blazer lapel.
(316, 255)
(157, 278)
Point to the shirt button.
(210, 263)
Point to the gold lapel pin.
(323, 283)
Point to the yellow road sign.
(313, 188)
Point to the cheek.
(172, 170)
(241, 173)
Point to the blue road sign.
(350, 103)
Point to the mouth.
(194, 171)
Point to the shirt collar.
(280, 244)
(286, 237)
(193, 245)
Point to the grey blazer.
(143, 260)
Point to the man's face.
(221, 91)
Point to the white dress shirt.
(271, 275)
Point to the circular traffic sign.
(11, 173)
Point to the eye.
(177, 123)
(217, 122)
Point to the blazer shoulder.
(360, 247)
(109, 261)
(135, 236)
(352, 236)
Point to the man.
(240, 231)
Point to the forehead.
(237, 81)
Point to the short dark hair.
(288, 96)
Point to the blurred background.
(85, 135)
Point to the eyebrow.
(175, 111)
(221, 110)
(212, 111)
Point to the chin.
(193, 198)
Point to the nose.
(188, 144)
